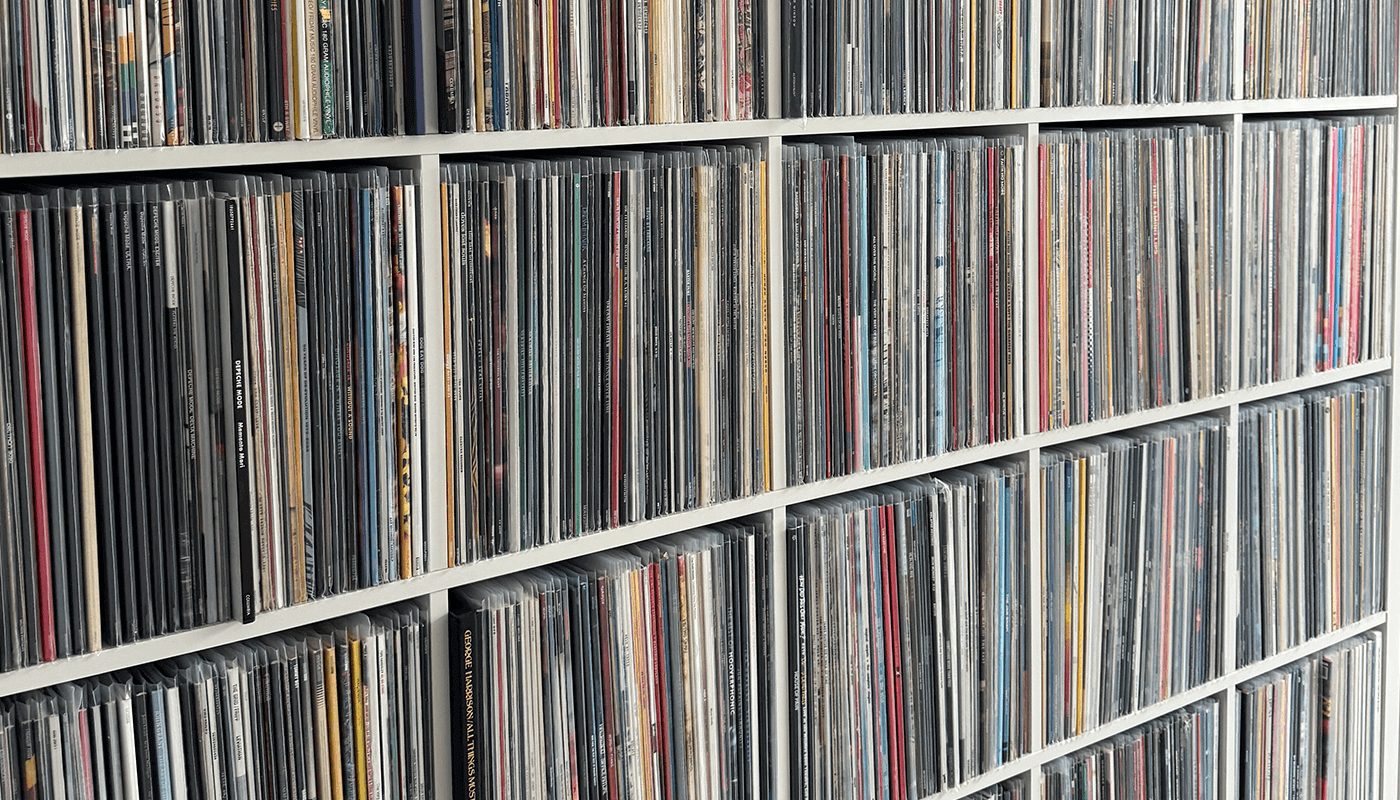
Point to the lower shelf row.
(909, 605)
(1311, 729)
(215, 388)
(343, 712)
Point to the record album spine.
(87, 482)
(275, 67)
(325, 47)
(797, 650)
(467, 782)
(448, 70)
(244, 502)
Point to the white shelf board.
(245, 156)
(214, 156)
(1073, 115)
(210, 636)
(1032, 763)
(146, 651)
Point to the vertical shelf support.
(1030, 371)
(433, 346)
(777, 321)
(1227, 734)
(1035, 616)
(782, 689)
(777, 444)
(439, 716)
(1390, 712)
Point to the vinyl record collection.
(1173, 758)
(643, 672)
(1317, 244)
(336, 711)
(1101, 52)
(904, 268)
(210, 387)
(607, 341)
(1337, 48)
(904, 57)
(1134, 276)
(1314, 484)
(1133, 529)
(98, 74)
(515, 65)
(906, 630)
(1313, 729)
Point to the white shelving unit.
(423, 155)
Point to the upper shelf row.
(80, 75)
(629, 336)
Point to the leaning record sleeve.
(26, 336)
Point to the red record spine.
(852, 435)
(1044, 310)
(994, 299)
(824, 340)
(30, 332)
(894, 667)
(1358, 198)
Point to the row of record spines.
(867, 58)
(903, 269)
(88, 74)
(1176, 757)
(906, 646)
(1314, 728)
(1206, 247)
(1338, 48)
(644, 654)
(1133, 531)
(338, 710)
(1317, 244)
(860, 57)
(512, 65)
(345, 348)
(1139, 51)
(1134, 270)
(1313, 509)
(607, 341)
(106, 74)
(122, 377)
